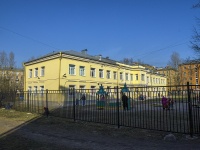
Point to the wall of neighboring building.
(189, 73)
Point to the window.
(100, 73)
(93, 90)
(196, 74)
(108, 89)
(108, 74)
(35, 89)
(30, 73)
(115, 75)
(147, 79)
(71, 88)
(92, 72)
(30, 89)
(126, 76)
(121, 75)
(82, 71)
(131, 77)
(136, 77)
(115, 89)
(42, 71)
(72, 69)
(42, 90)
(142, 77)
(36, 72)
(82, 89)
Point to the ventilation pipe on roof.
(100, 57)
(84, 51)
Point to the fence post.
(118, 123)
(28, 97)
(190, 110)
(46, 98)
(74, 104)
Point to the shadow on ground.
(21, 131)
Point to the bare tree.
(3, 59)
(196, 36)
(7, 76)
(197, 5)
(11, 60)
(127, 61)
(175, 60)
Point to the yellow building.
(171, 74)
(71, 69)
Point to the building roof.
(82, 54)
(188, 62)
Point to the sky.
(145, 30)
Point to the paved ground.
(57, 133)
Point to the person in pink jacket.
(164, 102)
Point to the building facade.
(171, 75)
(71, 69)
(189, 72)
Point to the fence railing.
(145, 108)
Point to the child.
(164, 103)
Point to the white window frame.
(35, 89)
(131, 77)
(93, 90)
(115, 75)
(30, 73)
(108, 75)
(121, 75)
(101, 73)
(29, 89)
(42, 90)
(136, 77)
(147, 79)
(143, 77)
(82, 88)
(92, 72)
(72, 69)
(71, 87)
(36, 72)
(82, 70)
(126, 74)
(42, 72)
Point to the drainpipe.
(59, 70)
(24, 77)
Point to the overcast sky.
(146, 30)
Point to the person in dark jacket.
(46, 111)
(125, 101)
(83, 99)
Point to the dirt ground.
(26, 131)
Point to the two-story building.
(72, 69)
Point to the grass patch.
(16, 115)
